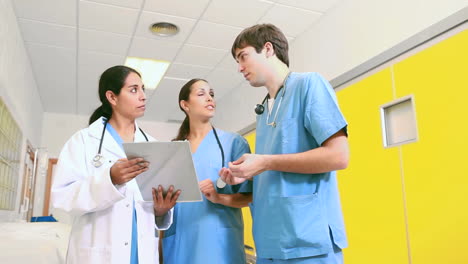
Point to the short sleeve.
(322, 117)
(239, 148)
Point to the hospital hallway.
(398, 70)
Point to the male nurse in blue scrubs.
(301, 142)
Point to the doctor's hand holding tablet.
(164, 201)
(125, 170)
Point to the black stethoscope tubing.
(102, 138)
(219, 183)
(260, 108)
(98, 155)
(220, 146)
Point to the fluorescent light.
(151, 71)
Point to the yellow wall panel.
(251, 140)
(248, 237)
(370, 188)
(436, 180)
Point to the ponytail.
(184, 95)
(184, 130)
(100, 111)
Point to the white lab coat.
(103, 212)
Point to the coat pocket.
(94, 255)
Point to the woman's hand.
(208, 189)
(125, 170)
(164, 203)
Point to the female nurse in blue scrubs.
(210, 231)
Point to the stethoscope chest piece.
(220, 183)
(259, 108)
(97, 160)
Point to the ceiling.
(71, 42)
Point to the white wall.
(58, 128)
(160, 130)
(17, 84)
(235, 110)
(18, 87)
(349, 34)
(357, 30)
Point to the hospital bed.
(38, 243)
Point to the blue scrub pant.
(335, 257)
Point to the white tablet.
(171, 163)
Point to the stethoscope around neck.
(219, 182)
(260, 108)
(97, 160)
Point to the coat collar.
(95, 130)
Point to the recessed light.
(152, 71)
(164, 29)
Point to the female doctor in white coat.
(94, 182)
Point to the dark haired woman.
(94, 182)
(211, 231)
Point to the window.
(399, 122)
(10, 146)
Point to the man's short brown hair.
(257, 35)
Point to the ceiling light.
(164, 29)
(151, 71)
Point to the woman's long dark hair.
(184, 94)
(113, 79)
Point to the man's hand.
(164, 203)
(248, 166)
(227, 177)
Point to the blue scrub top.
(298, 215)
(204, 232)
